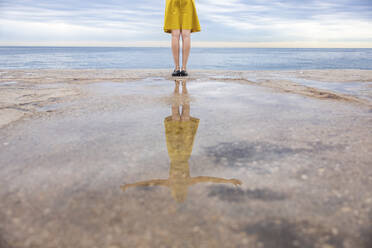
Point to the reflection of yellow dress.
(181, 14)
(180, 138)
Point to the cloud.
(92, 21)
(221, 20)
(291, 20)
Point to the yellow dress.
(181, 14)
(180, 138)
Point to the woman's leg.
(184, 89)
(176, 47)
(186, 45)
(185, 114)
(176, 112)
(175, 105)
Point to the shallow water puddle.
(188, 164)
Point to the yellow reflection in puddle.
(180, 131)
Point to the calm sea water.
(201, 58)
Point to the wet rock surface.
(262, 168)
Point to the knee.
(185, 38)
(185, 35)
(176, 35)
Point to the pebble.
(245, 241)
(46, 211)
(345, 209)
(334, 231)
(296, 243)
(304, 177)
(16, 220)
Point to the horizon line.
(197, 44)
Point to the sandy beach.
(299, 142)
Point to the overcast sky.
(347, 22)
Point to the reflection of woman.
(180, 130)
(180, 19)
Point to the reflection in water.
(180, 131)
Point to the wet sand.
(279, 159)
(24, 91)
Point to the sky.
(242, 23)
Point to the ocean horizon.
(50, 57)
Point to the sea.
(22, 57)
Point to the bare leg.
(186, 45)
(185, 116)
(176, 87)
(176, 47)
(175, 112)
(175, 105)
(184, 89)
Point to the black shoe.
(184, 73)
(176, 73)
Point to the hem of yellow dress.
(193, 119)
(169, 30)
